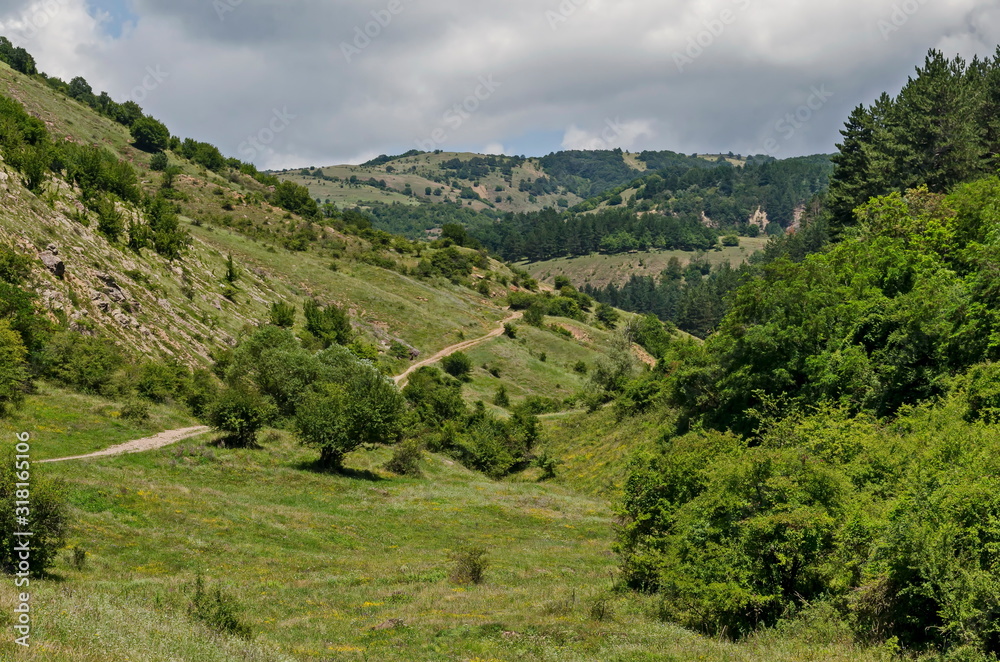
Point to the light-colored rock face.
(759, 218)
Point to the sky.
(294, 83)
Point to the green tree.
(240, 412)
(13, 367)
(150, 135)
(360, 407)
(329, 324)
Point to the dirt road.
(139, 445)
(457, 347)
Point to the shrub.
(501, 399)
(399, 350)
(510, 330)
(240, 412)
(457, 365)
(283, 315)
(358, 405)
(150, 135)
(217, 610)
(135, 409)
(159, 162)
(330, 325)
(13, 367)
(48, 515)
(83, 362)
(405, 459)
(607, 315)
(535, 314)
(470, 564)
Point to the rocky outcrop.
(50, 258)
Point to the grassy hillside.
(600, 270)
(353, 566)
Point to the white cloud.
(605, 60)
(494, 148)
(614, 133)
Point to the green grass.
(600, 270)
(522, 370)
(63, 423)
(319, 562)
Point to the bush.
(398, 350)
(217, 610)
(501, 399)
(283, 315)
(470, 564)
(135, 409)
(83, 362)
(510, 330)
(159, 162)
(405, 459)
(13, 367)
(535, 314)
(47, 516)
(358, 405)
(457, 365)
(330, 324)
(240, 412)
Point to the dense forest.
(833, 444)
(548, 234)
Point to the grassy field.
(420, 172)
(65, 423)
(600, 270)
(347, 567)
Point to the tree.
(240, 412)
(607, 315)
(360, 407)
(330, 325)
(48, 515)
(13, 367)
(150, 135)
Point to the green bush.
(405, 460)
(470, 564)
(13, 367)
(330, 324)
(357, 405)
(283, 314)
(150, 135)
(457, 365)
(47, 517)
(159, 162)
(86, 363)
(217, 610)
(240, 413)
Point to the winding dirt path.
(139, 445)
(457, 347)
(173, 436)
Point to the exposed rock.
(53, 263)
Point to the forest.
(833, 443)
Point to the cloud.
(614, 133)
(380, 76)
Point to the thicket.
(834, 442)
